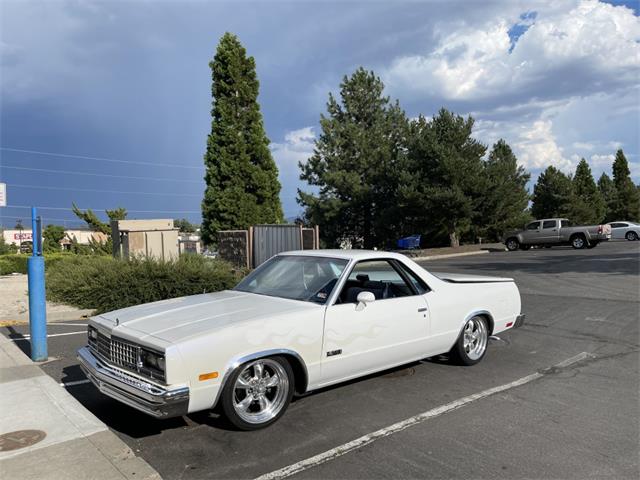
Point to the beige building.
(83, 237)
(145, 238)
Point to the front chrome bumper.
(149, 398)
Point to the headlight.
(152, 360)
(92, 333)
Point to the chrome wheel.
(631, 236)
(475, 338)
(261, 391)
(578, 242)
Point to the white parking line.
(55, 324)
(74, 383)
(409, 422)
(27, 337)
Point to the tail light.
(600, 229)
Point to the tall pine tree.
(552, 194)
(506, 197)
(607, 190)
(627, 204)
(588, 206)
(242, 186)
(355, 164)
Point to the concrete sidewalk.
(70, 441)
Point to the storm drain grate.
(20, 439)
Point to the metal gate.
(269, 240)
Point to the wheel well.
(512, 238)
(300, 379)
(489, 320)
(579, 234)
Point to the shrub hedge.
(17, 263)
(104, 283)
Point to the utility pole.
(37, 298)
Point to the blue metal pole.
(37, 298)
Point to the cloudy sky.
(108, 103)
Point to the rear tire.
(578, 242)
(512, 244)
(471, 345)
(631, 236)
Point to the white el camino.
(299, 322)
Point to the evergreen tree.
(94, 223)
(355, 165)
(242, 187)
(506, 197)
(588, 207)
(52, 236)
(552, 194)
(607, 190)
(447, 161)
(627, 204)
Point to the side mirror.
(363, 299)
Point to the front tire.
(258, 393)
(631, 236)
(471, 345)
(512, 244)
(578, 242)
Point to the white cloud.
(297, 147)
(581, 49)
(536, 147)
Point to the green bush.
(17, 263)
(104, 283)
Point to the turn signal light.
(208, 376)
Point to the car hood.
(179, 318)
(464, 278)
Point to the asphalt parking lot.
(575, 421)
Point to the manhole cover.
(20, 439)
(405, 372)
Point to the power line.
(100, 159)
(89, 208)
(70, 172)
(106, 191)
(46, 218)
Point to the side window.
(533, 226)
(566, 223)
(618, 225)
(549, 224)
(375, 276)
(416, 281)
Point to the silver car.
(625, 230)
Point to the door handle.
(423, 309)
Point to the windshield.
(306, 278)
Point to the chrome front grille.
(118, 352)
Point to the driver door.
(389, 331)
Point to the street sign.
(3, 194)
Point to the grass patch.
(104, 283)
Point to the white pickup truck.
(556, 231)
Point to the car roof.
(348, 254)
